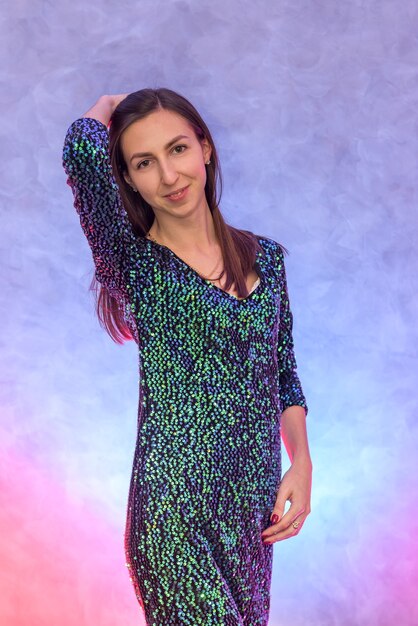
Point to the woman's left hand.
(295, 486)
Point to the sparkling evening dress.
(216, 372)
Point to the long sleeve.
(291, 392)
(104, 221)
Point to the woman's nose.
(168, 173)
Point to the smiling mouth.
(175, 192)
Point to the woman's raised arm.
(105, 223)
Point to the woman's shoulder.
(271, 247)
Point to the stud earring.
(208, 162)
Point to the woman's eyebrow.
(170, 143)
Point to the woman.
(208, 306)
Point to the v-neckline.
(206, 280)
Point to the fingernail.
(274, 518)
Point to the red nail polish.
(274, 518)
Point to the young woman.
(208, 306)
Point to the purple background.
(313, 106)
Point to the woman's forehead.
(154, 131)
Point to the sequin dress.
(216, 372)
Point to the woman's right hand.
(104, 107)
(115, 100)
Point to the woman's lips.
(178, 196)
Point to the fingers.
(293, 529)
(288, 526)
(117, 99)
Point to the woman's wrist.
(101, 110)
(303, 460)
(104, 107)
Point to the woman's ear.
(127, 178)
(206, 149)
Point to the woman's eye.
(147, 160)
(180, 146)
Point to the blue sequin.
(215, 375)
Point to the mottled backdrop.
(314, 108)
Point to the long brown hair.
(239, 247)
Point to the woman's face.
(157, 169)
